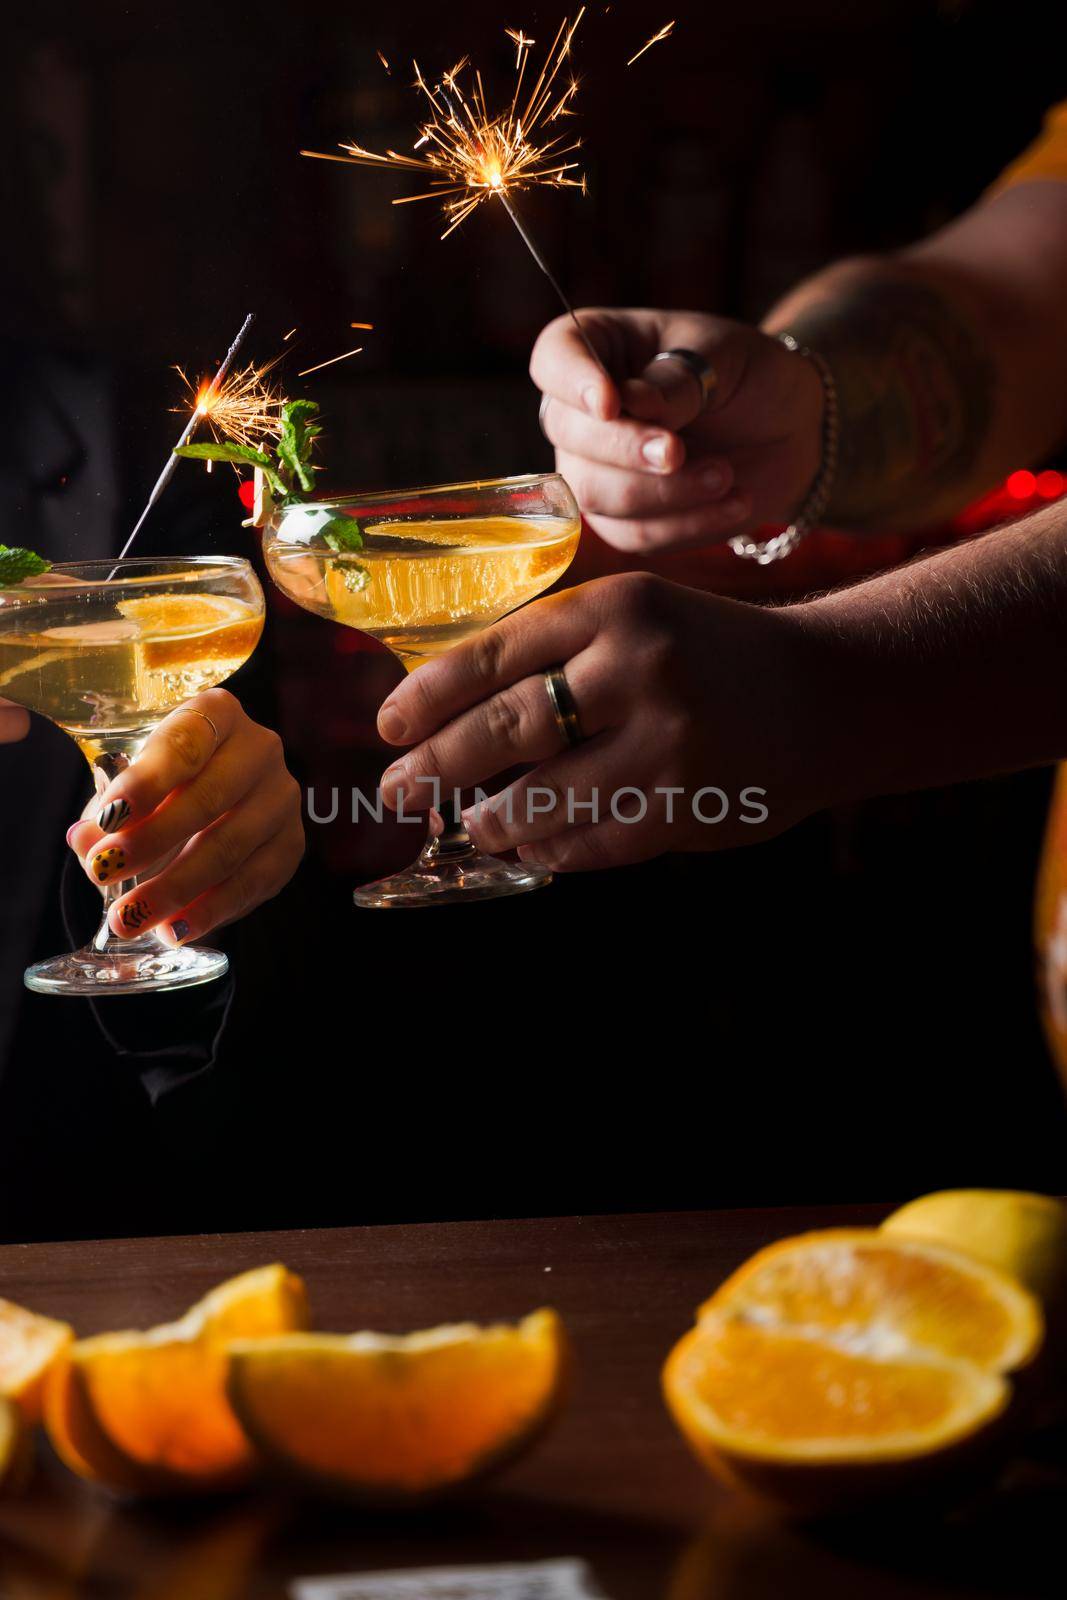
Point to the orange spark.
(664, 33)
(319, 366)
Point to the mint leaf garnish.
(288, 468)
(299, 430)
(17, 563)
(341, 533)
(237, 453)
(354, 577)
(223, 450)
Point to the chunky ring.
(696, 366)
(564, 709)
(541, 410)
(191, 711)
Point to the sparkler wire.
(525, 236)
(198, 413)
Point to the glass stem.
(453, 840)
(106, 766)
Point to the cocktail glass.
(437, 566)
(106, 649)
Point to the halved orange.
(829, 1366)
(147, 1412)
(29, 1345)
(392, 1419)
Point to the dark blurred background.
(847, 1012)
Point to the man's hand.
(942, 670)
(675, 690)
(14, 722)
(650, 464)
(210, 829)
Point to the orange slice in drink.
(843, 1365)
(394, 1419)
(29, 1346)
(180, 629)
(148, 1411)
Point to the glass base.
(130, 971)
(439, 880)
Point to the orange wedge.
(396, 1419)
(147, 1412)
(29, 1346)
(837, 1366)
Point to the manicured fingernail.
(735, 509)
(180, 930)
(655, 451)
(72, 830)
(714, 480)
(591, 399)
(107, 864)
(113, 815)
(393, 777)
(391, 724)
(133, 914)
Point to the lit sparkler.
(473, 155)
(664, 33)
(194, 421)
(245, 407)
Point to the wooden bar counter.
(612, 1484)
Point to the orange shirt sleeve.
(1046, 158)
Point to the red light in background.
(1049, 485)
(1021, 485)
(246, 493)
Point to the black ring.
(563, 706)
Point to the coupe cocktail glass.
(437, 566)
(105, 649)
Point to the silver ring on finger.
(542, 409)
(564, 709)
(699, 369)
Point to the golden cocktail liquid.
(423, 587)
(108, 681)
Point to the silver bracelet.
(808, 517)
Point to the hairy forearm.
(950, 668)
(948, 359)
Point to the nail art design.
(107, 864)
(180, 930)
(114, 815)
(133, 913)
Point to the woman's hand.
(706, 723)
(651, 465)
(211, 829)
(14, 722)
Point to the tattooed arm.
(950, 358)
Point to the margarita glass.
(106, 649)
(436, 566)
